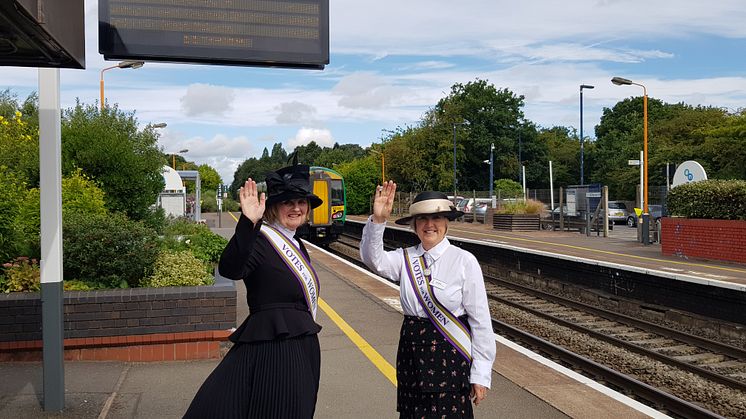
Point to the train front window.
(337, 197)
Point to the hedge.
(709, 199)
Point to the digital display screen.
(293, 34)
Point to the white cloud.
(294, 112)
(366, 90)
(204, 99)
(322, 137)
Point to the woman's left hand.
(478, 392)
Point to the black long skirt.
(432, 376)
(269, 379)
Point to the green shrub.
(508, 188)
(208, 203)
(529, 206)
(206, 245)
(12, 191)
(177, 268)
(110, 249)
(156, 219)
(80, 195)
(78, 285)
(711, 199)
(183, 227)
(22, 274)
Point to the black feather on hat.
(291, 182)
(431, 203)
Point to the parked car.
(656, 212)
(618, 212)
(474, 208)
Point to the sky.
(391, 61)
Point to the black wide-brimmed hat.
(291, 182)
(431, 203)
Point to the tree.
(563, 150)
(108, 146)
(209, 177)
(19, 138)
(360, 182)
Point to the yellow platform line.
(386, 369)
(608, 252)
(234, 217)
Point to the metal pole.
(50, 181)
(455, 182)
(492, 148)
(523, 171)
(581, 135)
(645, 213)
(551, 188)
(520, 159)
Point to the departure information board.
(293, 34)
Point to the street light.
(159, 125)
(122, 64)
(383, 166)
(455, 181)
(492, 160)
(173, 157)
(619, 81)
(582, 139)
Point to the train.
(326, 222)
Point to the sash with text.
(298, 264)
(446, 322)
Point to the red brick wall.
(704, 239)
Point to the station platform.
(619, 249)
(361, 319)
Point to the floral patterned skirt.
(432, 376)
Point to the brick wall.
(704, 239)
(171, 316)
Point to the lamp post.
(619, 81)
(159, 125)
(492, 160)
(455, 180)
(582, 139)
(122, 64)
(173, 157)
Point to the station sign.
(265, 33)
(42, 33)
(688, 172)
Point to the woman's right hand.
(383, 201)
(252, 204)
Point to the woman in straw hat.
(273, 368)
(446, 345)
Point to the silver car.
(618, 212)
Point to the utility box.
(42, 33)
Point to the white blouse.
(461, 289)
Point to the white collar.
(436, 251)
(290, 234)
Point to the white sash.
(447, 324)
(298, 264)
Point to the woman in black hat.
(446, 345)
(273, 368)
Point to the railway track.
(677, 373)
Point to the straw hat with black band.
(431, 203)
(291, 182)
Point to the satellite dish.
(688, 172)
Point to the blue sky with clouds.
(392, 60)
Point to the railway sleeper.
(702, 359)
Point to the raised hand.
(252, 204)
(383, 201)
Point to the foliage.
(19, 138)
(360, 182)
(78, 285)
(564, 153)
(155, 218)
(177, 268)
(11, 196)
(713, 199)
(528, 206)
(107, 145)
(209, 178)
(257, 169)
(508, 188)
(80, 195)
(111, 249)
(206, 245)
(22, 274)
